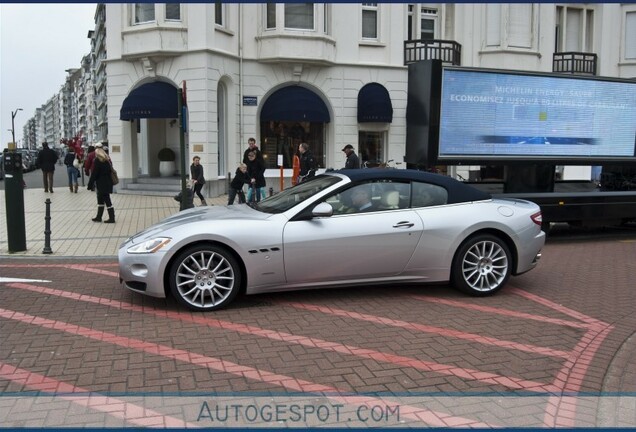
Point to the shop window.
(371, 146)
(283, 138)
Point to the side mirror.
(322, 210)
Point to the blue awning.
(153, 100)
(374, 104)
(295, 103)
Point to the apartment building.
(98, 53)
(325, 74)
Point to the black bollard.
(47, 228)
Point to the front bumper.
(142, 273)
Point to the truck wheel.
(481, 265)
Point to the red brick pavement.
(561, 330)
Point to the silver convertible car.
(342, 228)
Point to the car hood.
(241, 212)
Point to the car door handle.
(403, 224)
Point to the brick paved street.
(436, 356)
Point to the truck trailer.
(518, 129)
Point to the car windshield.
(288, 198)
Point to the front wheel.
(205, 278)
(481, 265)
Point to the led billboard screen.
(490, 115)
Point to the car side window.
(427, 195)
(370, 197)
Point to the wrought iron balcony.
(449, 52)
(574, 63)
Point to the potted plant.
(167, 159)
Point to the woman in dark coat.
(101, 179)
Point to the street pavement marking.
(11, 280)
(560, 411)
(289, 383)
(427, 366)
(138, 415)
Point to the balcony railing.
(449, 52)
(574, 63)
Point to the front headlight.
(149, 246)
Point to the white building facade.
(325, 74)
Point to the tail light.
(537, 218)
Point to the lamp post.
(13, 114)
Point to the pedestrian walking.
(236, 185)
(307, 163)
(197, 179)
(72, 163)
(47, 158)
(102, 181)
(353, 161)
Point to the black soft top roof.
(457, 191)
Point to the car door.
(349, 246)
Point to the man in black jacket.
(353, 162)
(307, 163)
(251, 142)
(47, 158)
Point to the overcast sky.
(38, 43)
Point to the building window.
(326, 18)
(369, 21)
(371, 146)
(428, 23)
(424, 26)
(221, 107)
(173, 11)
(299, 16)
(219, 14)
(630, 36)
(270, 16)
(144, 12)
(574, 29)
(493, 25)
(510, 25)
(520, 25)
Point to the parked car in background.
(34, 158)
(28, 164)
(342, 228)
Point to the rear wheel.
(481, 265)
(205, 278)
